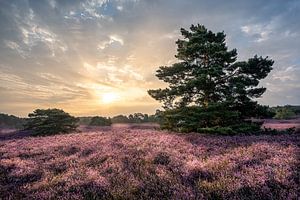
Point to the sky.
(99, 57)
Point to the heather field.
(133, 163)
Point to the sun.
(109, 97)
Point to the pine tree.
(209, 80)
(50, 121)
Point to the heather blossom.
(123, 163)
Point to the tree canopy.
(50, 121)
(100, 121)
(209, 76)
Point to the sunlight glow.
(109, 97)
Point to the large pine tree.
(209, 84)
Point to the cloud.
(291, 73)
(111, 74)
(112, 39)
(33, 33)
(259, 31)
(14, 46)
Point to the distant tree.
(135, 118)
(84, 120)
(100, 121)
(120, 119)
(50, 121)
(284, 113)
(146, 118)
(11, 121)
(131, 118)
(139, 117)
(209, 80)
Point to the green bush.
(100, 121)
(284, 113)
(50, 122)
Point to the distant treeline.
(11, 121)
(132, 118)
(286, 112)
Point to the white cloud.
(14, 46)
(116, 38)
(120, 8)
(32, 32)
(112, 39)
(52, 3)
(258, 31)
(288, 74)
(110, 73)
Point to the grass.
(126, 163)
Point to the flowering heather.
(127, 163)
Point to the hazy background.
(100, 56)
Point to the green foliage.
(208, 87)
(11, 121)
(264, 112)
(132, 118)
(120, 119)
(285, 112)
(246, 127)
(214, 119)
(100, 121)
(293, 108)
(191, 118)
(50, 122)
(136, 118)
